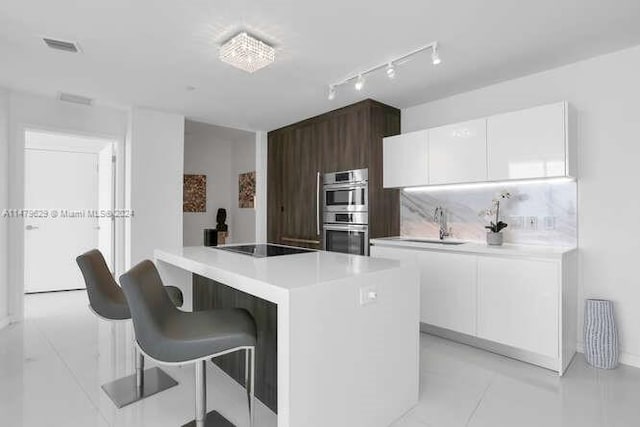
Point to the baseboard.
(5, 322)
(625, 358)
(493, 347)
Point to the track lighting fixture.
(391, 71)
(389, 66)
(435, 56)
(332, 92)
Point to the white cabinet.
(529, 143)
(405, 161)
(458, 153)
(448, 290)
(518, 303)
(392, 253)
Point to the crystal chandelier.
(247, 53)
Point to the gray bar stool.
(171, 336)
(108, 302)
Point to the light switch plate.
(549, 222)
(517, 222)
(368, 295)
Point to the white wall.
(221, 154)
(155, 149)
(605, 95)
(4, 204)
(261, 186)
(28, 111)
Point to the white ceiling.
(146, 52)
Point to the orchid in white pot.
(494, 235)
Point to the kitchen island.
(347, 328)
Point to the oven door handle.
(346, 186)
(350, 227)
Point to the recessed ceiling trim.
(65, 46)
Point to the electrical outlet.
(549, 222)
(532, 223)
(368, 295)
(516, 222)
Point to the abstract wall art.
(194, 195)
(247, 190)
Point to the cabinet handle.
(296, 240)
(318, 204)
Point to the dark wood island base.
(209, 294)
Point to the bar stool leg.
(202, 418)
(139, 372)
(252, 397)
(201, 394)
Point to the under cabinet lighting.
(477, 185)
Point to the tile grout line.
(73, 375)
(484, 393)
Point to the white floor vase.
(600, 334)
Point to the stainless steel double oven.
(346, 212)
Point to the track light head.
(391, 70)
(435, 56)
(359, 82)
(332, 93)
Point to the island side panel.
(209, 294)
(354, 365)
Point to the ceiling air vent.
(75, 99)
(62, 45)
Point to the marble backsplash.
(540, 213)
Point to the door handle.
(31, 227)
(318, 203)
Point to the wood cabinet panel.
(344, 139)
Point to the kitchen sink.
(439, 242)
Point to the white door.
(518, 303)
(458, 153)
(448, 290)
(527, 144)
(66, 183)
(405, 162)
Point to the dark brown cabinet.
(344, 139)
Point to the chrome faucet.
(440, 216)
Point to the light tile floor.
(52, 366)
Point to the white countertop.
(508, 249)
(272, 278)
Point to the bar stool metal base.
(214, 419)
(124, 391)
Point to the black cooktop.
(264, 250)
